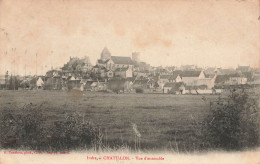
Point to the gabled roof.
(105, 51)
(190, 80)
(122, 60)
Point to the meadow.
(165, 122)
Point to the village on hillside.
(130, 75)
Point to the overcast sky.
(205, 33)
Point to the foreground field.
(165, 122)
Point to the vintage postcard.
(129, 81)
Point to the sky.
(166, 33)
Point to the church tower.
(105, 54)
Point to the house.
(224, 79)
(163, 79)
(124, 72)
(173, 87)
(237, 80)
(172, 77)
(197, 78)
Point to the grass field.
(165, 122)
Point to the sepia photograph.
(129, 81)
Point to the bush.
(30, 129)
(233, 122)
(139, 90)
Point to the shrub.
(30, 129)
(139, 90)
(233, 122)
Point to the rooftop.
(122, 60)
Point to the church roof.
(122, 60)
(105, 51)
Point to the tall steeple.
(105, 54)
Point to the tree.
(233, 122)
(14, 83)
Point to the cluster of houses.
(129, 74)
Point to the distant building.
(142, 66)
(105, 54)
(163, 79)
(123, 72)
(197, 78)
(169, 77)
(136, 57)
(237, 80)
(114, 62)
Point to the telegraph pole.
(51, 70)
(14, 69)
(36, 65)
(25, 69)
(6, 77)
(13, 49)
